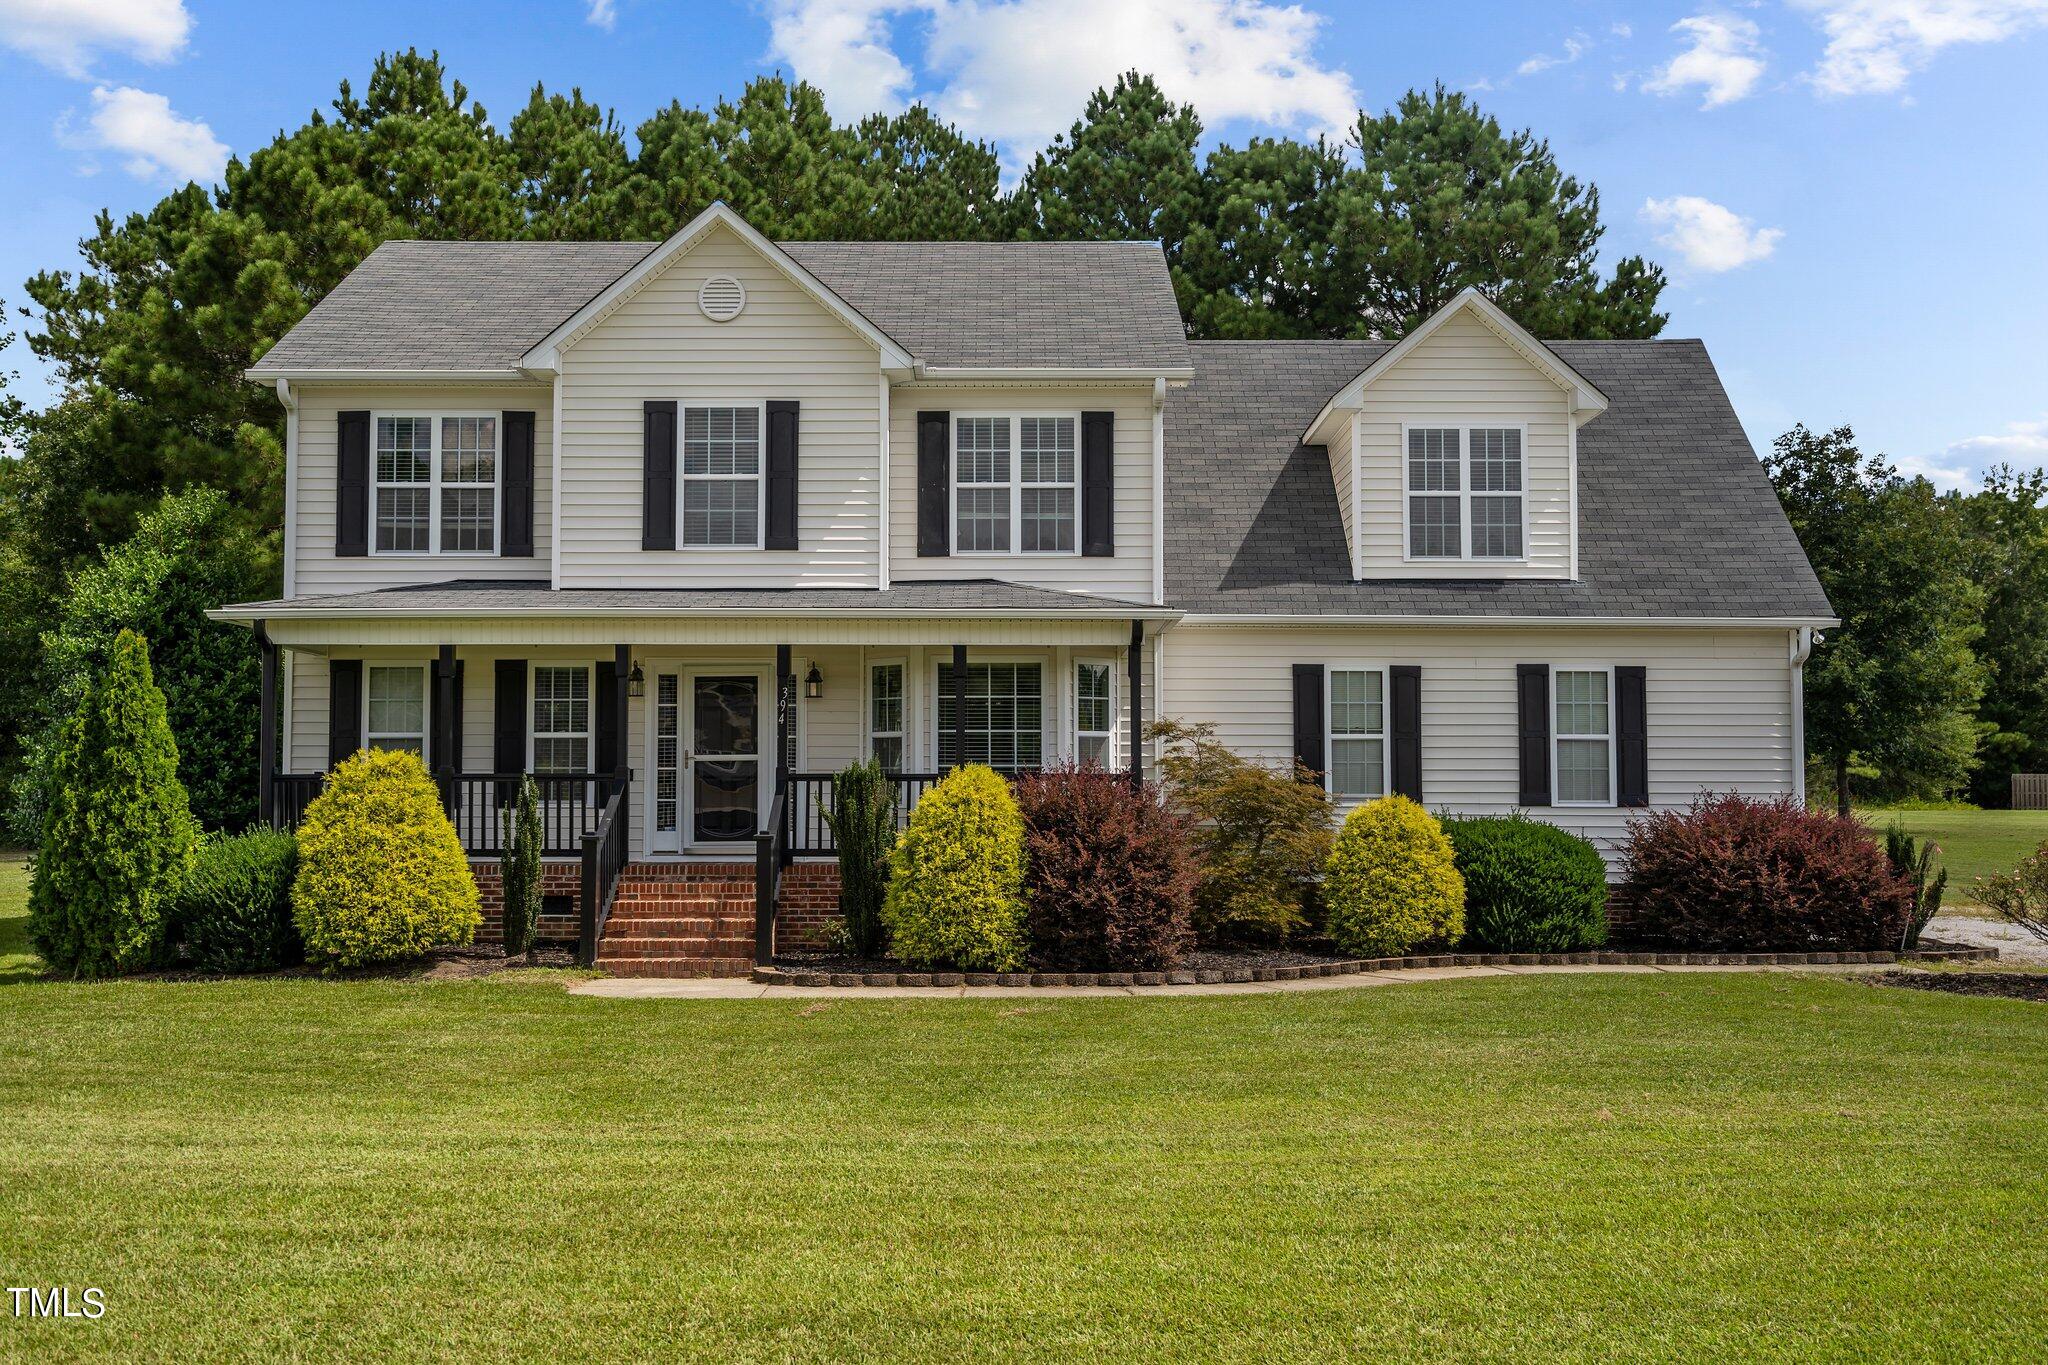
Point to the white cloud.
(1724, 60)
(1874, 45)
(157, 142)
(1575, 47)
(1621, 30)
(604, 14)
(1018, 71)
(67, 34)
(2023, 445)
(1706, 236)
(1943, 475)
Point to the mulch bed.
(2010, 985)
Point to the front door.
(723, 788)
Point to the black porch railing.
(604, 858)
(809, 833)
(482, 805)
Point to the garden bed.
(2010, 985)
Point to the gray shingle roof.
(1677, 518)
(483, 305)
(970, 597)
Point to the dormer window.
(1465, 493)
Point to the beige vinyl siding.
(657, 345)
(316, 569)
(1464, 375)
(1718, 703)
(1340, 447)
(1128, 574)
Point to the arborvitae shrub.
(863, 820)
(1108, 880)
(1391, 884)
(1740, 873)
(519, 867)
(382, 874)
(119, 835)
(1530, 887)
(233, 912)
(956, 879)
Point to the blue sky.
(1851, 195)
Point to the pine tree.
(119, 834)
(1124, 172)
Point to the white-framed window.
(1016, 483)
(1465, 492)
(1357, 739)
(721, 475)
(885, 713)
(1095, 712)
(561, 718)
(436, 477)
(1005, 716)
(1582, 735)
(395, 707)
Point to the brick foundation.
(808, 906)
(558, 877)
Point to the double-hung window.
(437, 484)
(722, 476)
(395, 707)
(1016, 484)
(1358, 732)
(561, 718)
(1464, 493)
(885, 715)
(1584, 735)
(1005, 716)
(1095, 712)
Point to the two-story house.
(685, 527)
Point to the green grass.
(1974, 843)
(1641, 1167)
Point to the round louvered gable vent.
(721, 298)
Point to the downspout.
(1802, 648)
(1158, 497)
(291, 478)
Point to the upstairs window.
(722, 476)
(1016, 484)
(1464, 493)
(437, 484)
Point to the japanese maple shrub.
(956, 879)
(382, 874)
(119, 834)
(1392, 883)
(1108, 881)
(1743, 873)
(1530, 887)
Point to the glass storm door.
(723, 760)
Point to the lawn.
(1974, 843)
(1640, 1167)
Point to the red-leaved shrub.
(1109, 883)
(1737, 873)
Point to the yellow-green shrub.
(956, 879)
(1392, 882)
(382, 874)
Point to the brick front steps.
(776, 976)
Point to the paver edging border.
(1943, 952)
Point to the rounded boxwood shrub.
(956, 879)
(1391, 884)
(1530, 887)
(1109, 881)
(382, 874)
(1738, 873)
(234, 909)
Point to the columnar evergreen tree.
(119, 834)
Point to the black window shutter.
(352, 484)
(1309, 717)
(1405, 681)
(508, 717)
(1632, 735)
(445, 729)
(782, 478)
(1098, 483)
(1532, 694)
(607, 718)
(515, 475)
(344, 708)
(934, 484)
(658, 475)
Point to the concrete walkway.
(641, 988)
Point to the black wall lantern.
(636, 681)
(814, 683)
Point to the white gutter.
(257, 375)
(291, 480)
(1196, 618)
(1802, 649)
(259, 611)
(1064, 373)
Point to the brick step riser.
(624, 949)
(684, 967)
